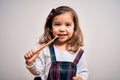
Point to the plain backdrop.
(22, 22)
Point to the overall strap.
(52, 53)
(78, 56)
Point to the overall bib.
(61, 70)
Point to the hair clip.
(50, 14)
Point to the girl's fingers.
(74, 78)
(30, 57)
(26, 56)
(77, 78)
(33, 51)
(29, 54)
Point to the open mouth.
(62, 34)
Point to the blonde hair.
(76, 40)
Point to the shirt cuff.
(29, 66)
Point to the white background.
(22, 21)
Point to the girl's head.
(63, 22)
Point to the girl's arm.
(34, 63)
(82, 68)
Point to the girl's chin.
(62, 40)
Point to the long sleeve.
(82, 68)
(41, 65)
(38, 66)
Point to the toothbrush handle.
(38, 50)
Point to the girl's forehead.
(65, 13)
(64, 16)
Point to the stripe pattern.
(62, 70)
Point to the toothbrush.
(38, 50)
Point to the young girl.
(64, 58)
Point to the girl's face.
(63, 26)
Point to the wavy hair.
(77, 39)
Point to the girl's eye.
(68, 25)
(57, 24)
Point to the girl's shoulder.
(79, 49)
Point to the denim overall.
(62, 70)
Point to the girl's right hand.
(30, 57)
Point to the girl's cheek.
(54, 33)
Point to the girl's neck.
(61, 46)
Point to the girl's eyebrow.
(60, 22)
(56, 22)
(69, 22)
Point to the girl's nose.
(62, 28)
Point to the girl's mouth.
(62, 34)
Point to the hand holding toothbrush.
(31, 55)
